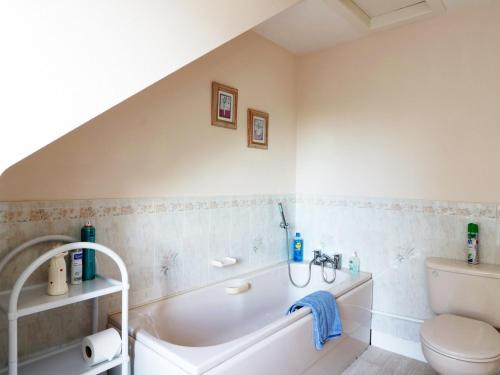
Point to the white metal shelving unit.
(22, 301)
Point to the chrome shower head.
(284, 223)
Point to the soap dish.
(224, 262)
(237, 286)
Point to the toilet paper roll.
(101, 346)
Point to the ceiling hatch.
(383, 13)
(374, 8)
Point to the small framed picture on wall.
(224, 106)
(258, 128)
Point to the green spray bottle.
(472, 243)
(88, 235)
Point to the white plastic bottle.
(76, 266)
(57, 284)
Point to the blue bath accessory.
(326, 318)
(298, 248)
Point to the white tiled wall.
(167, 244)
(393, 238)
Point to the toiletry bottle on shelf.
(88, 235)
(298, 248)
(76, 266)
(57, 283)
(354, 263)
(472, 243)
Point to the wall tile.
(166, 243)
(393, 238)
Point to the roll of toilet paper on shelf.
(101, 346)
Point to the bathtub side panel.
(291, 351)
(355, 311)
(148, 362)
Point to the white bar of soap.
(237, 286)
(224, 262)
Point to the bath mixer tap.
(320, 258)
(337, 261)
(317, 257)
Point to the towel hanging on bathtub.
(326, 317)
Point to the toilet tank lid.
(460, 266)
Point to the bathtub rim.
(244, 275)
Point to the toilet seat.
(460, 338)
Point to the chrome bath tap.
(321, 258)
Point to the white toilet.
(462, 340)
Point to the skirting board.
(397, 345)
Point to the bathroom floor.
(375, 361)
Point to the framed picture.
(224, 106)
(258, 128)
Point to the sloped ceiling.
(65, 62)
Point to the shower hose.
(323, 274)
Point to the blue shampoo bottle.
(298, 248)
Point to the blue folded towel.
(326, 318)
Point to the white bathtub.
(210, 332)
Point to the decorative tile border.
(442, 208)
(52, 211)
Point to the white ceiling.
(312, 25)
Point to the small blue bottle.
(298, 248)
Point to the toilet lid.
(461, 338)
